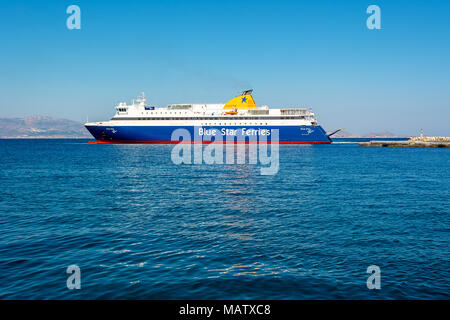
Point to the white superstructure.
(202, 114)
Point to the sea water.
(139, 226)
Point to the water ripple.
(141, 227)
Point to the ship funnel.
(243, 101)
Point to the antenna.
(141, 99)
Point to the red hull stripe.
(204, 142)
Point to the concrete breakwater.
(412, 143)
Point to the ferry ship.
(238, 120)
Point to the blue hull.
(163, 134)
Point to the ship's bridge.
(122, 108)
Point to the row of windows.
(160, 112)
(215, 118)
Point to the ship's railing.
(295, 111)
(179, 106)
(258, 112)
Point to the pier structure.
(414, 142)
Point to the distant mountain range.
(47, 127)
(41, 127)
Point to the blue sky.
(318, 54)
